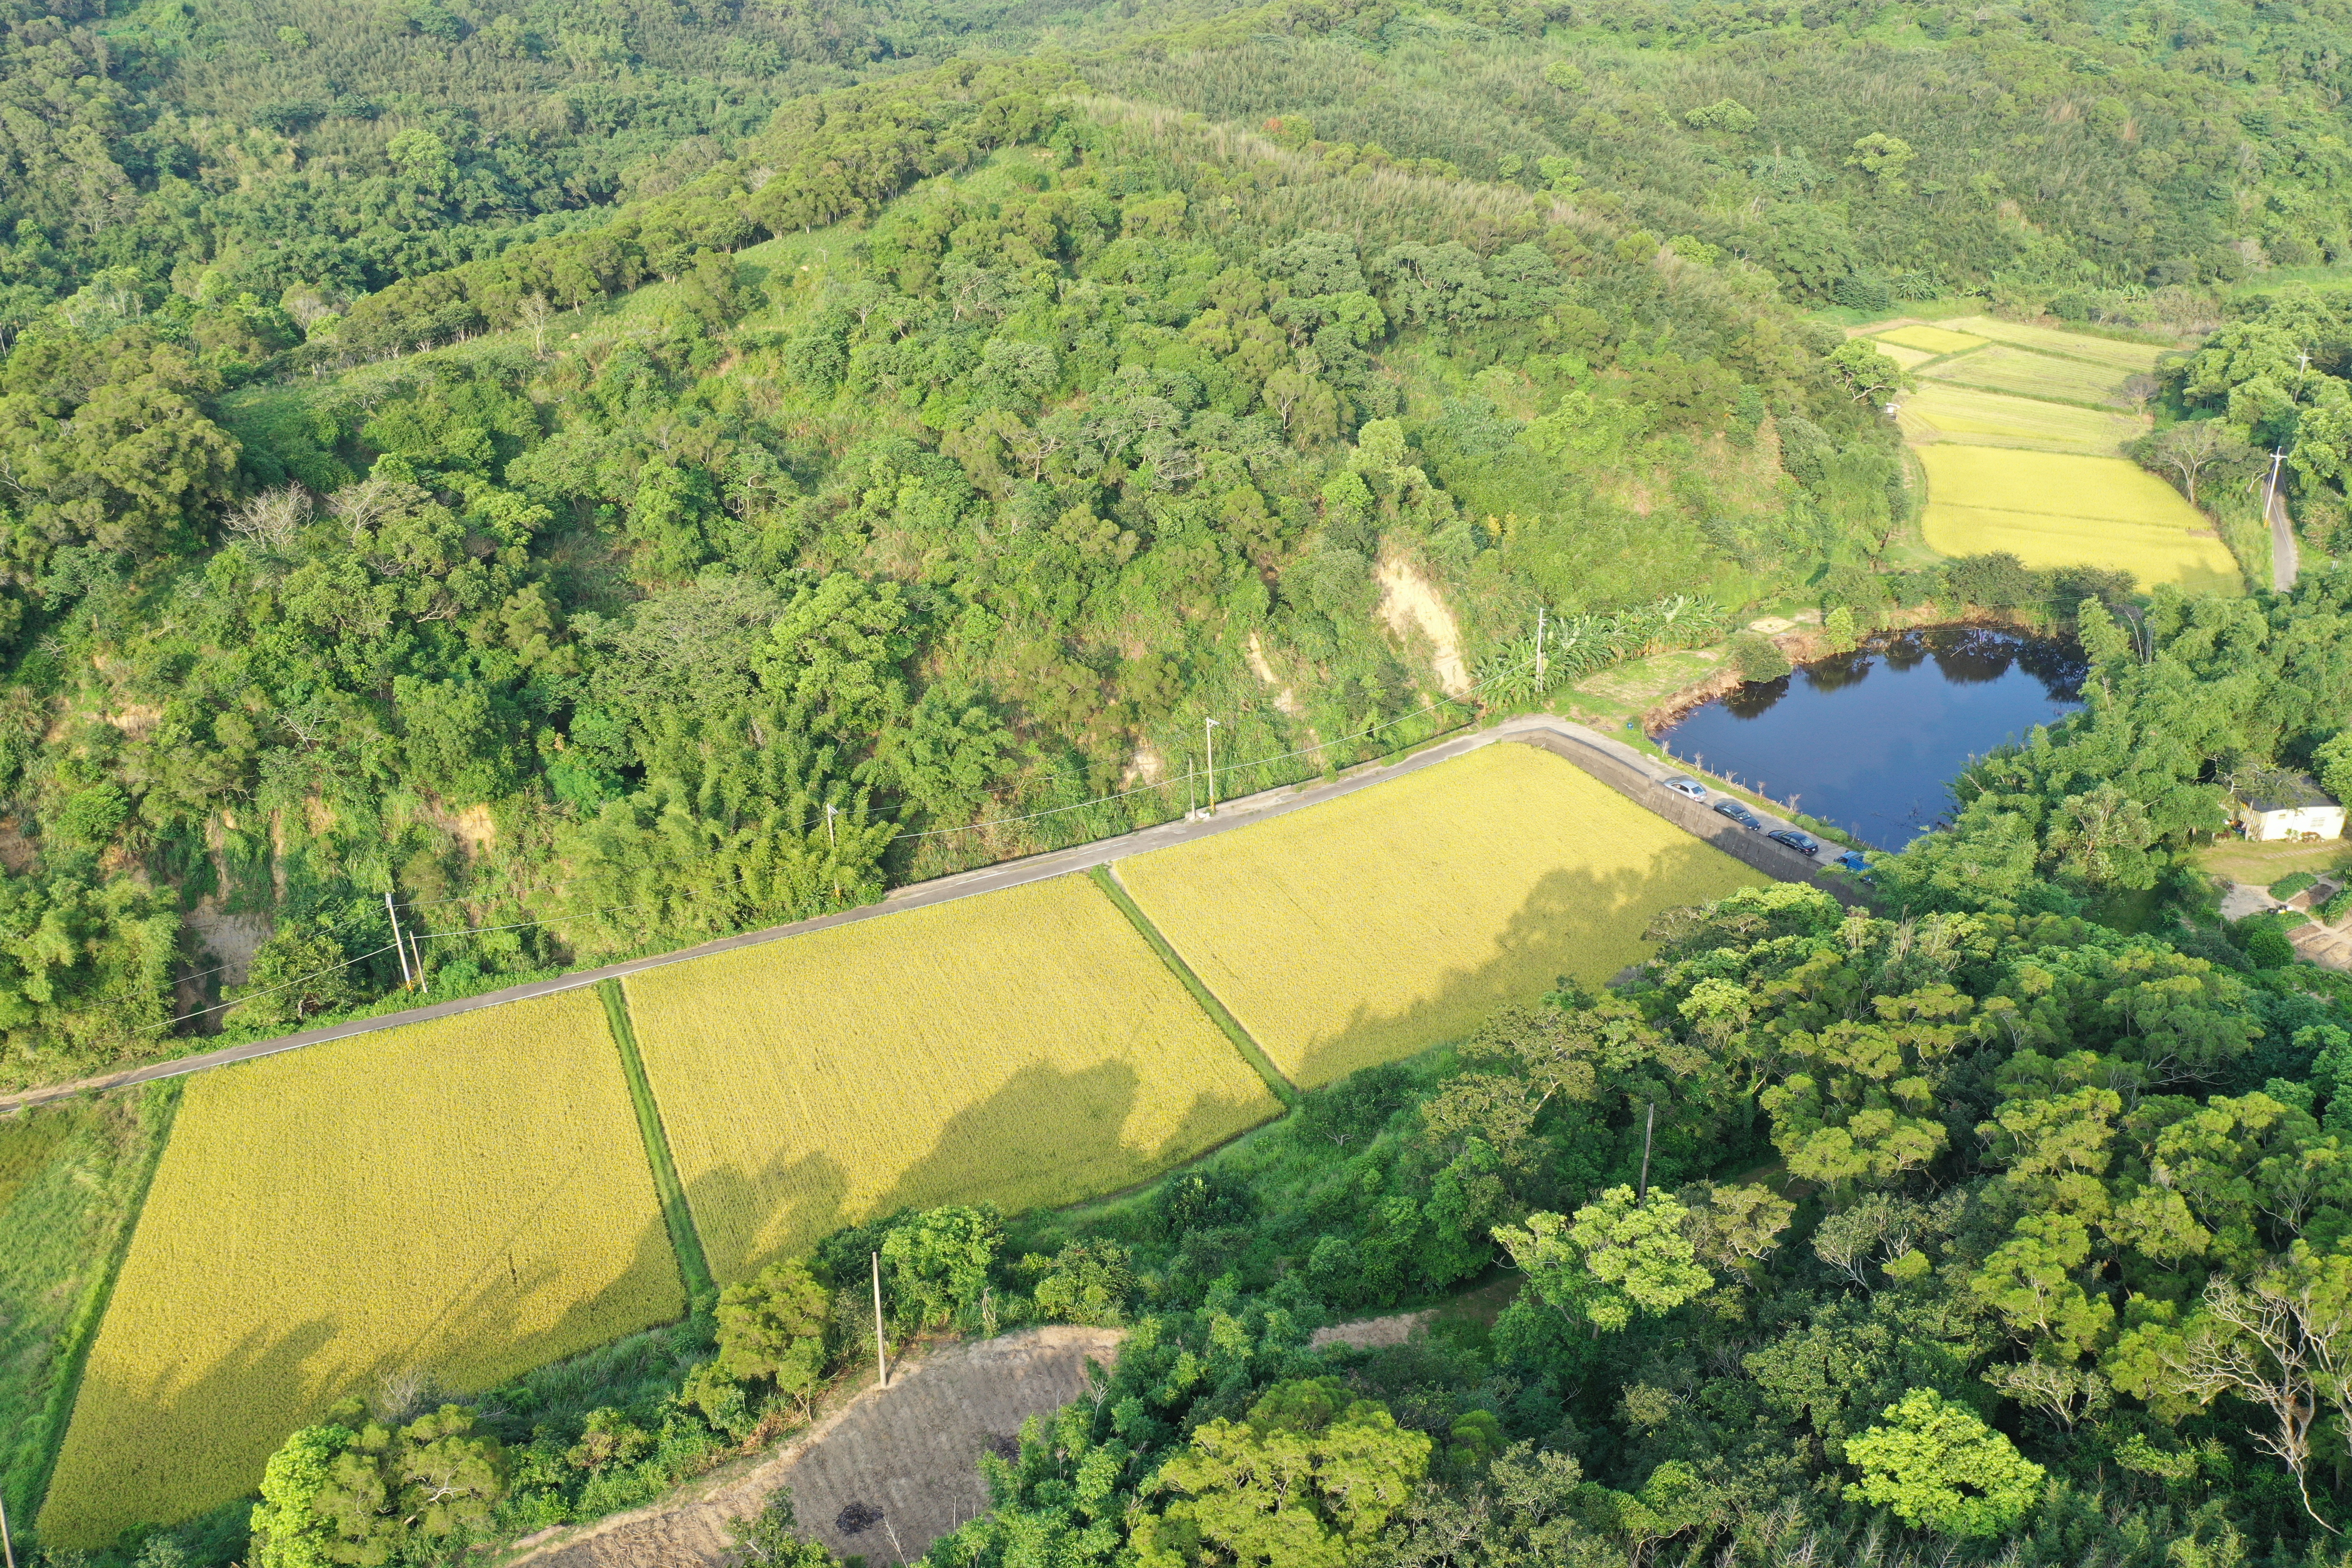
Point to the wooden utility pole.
(407, 980)
(881, 1361)
(7, 1547)
(1209, 733)
(1539, 660)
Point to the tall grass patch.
(1931, 340)
(2055, 510)
(1374, 926)
(1025, 1046)
(69, 1179)
(2032, 374)
(2125, 357)
(444, 1205)
(1939, 411)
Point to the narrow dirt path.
(885, 1476)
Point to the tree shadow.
(179, 1441)
(157, 1450)
(1561, 928)
(1045, 1138)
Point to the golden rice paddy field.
(1023, 1047)
(2125, 357)
(1931, 340)
(2052, 509)
(1380, 923)
(1909, 359)
(463, 1199)
(1939, 411)
(2023, 371)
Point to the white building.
(2289, 805)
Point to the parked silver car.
(1682, 783)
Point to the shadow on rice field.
(1045, 1138)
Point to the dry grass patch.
(461, 1200)
(2054, 510)
(1023, 1047)
(1378, 924)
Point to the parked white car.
(1682, 783)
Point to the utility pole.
(2271, 490)
(407, 980)
(1539, 660)
(1649, 1125)
(881, 1359)
(7, 1547)
(1209, 731)
(833, 845)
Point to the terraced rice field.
(1931, 340)
(1381, 923)
(2059, 510)
(2123, 356)
(1939, 411)
(2023, 371)
(1025, 1046)
(460, 1200)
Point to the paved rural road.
(1612, 761)
(2286, 560)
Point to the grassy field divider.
(693, 1268)
(162, 1103)
(1284, 1089)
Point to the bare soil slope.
(903, 1460)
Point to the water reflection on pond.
(1869, 740)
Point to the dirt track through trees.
(901, 1461)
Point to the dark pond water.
(1870, 740)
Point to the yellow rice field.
(1931, 340)
(1025, 1046)
(463, 1199)
(1387, 921)
(2123, 356)
(1939, 411)
(2056, 510)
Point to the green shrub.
(2294, 882)
(2262, 939)
(1757, 658)
(2337, 906)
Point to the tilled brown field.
(884, 1477)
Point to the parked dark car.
(1739, 813)
(1802, 843)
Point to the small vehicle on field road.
(1682, 783)
(1739, 813)
(1802, 843)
